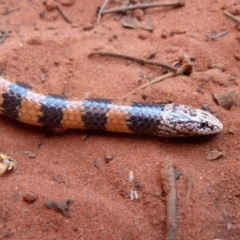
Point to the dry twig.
(9, 11)
(61, 11)
(232, 17)
(100, 11)
(159, 79)
(215, 36)
(4, 32)
(140, 60)
(189, 186)
(170, 188)
(143, 6)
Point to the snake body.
(18, 101)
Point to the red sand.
(64, 167)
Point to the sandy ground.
(42, 45)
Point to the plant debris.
(225, 99)
(214, 154)
(61, 206)
(7, 164)
(4, 32)
(131, 22)
(170, 189)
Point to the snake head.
(188, 121)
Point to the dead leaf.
(225, 99)
(131, 22)
(214, 154)
(7, 164)
(152, 53)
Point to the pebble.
(61, 206)
(108, 158)
(29, 154)
(67, 2)
(96, 163)
(139, 14)
(34, 41)
(142, 35)
(237, 56)
(50, 5)
(29, 197)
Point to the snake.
(21, 102)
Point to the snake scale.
(18, 101)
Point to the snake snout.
(209, 124)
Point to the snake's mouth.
(212, 126)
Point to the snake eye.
(203, 125)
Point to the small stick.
(170, 188)
(186, 67)
(100, 11)
(63, 14)
(214, 36)
(143, 6)
(232, 17)
(3, 35)
(140, 60)
(159, 79)
(9, 11)
(189, 186)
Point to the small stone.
(139, 14)
(87, 27)
(67, 2)
(143, 35)
(30, 154)
(237, 56)
(164, 34)
(50, 5)
(34, 41)
(108, 158)
(57, 63)
(61, 206)
(44, 69)
(29, 197)
(96, 163)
